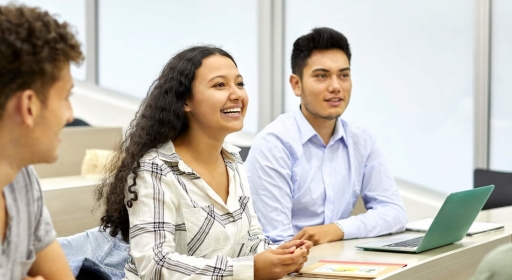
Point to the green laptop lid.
(455, 217)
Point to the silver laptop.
(450, 225)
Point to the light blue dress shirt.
(297, 181)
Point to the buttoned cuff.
(347, 226)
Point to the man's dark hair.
(33, 49)
(320, 38)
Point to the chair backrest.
(77, 122)
(75, 141)
(244, 152)
(242, 140)
(502, 194)
(70, 202)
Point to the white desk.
(455, 261)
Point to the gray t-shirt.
(497, 265)
(30, 227)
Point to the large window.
(137, 38)
(71, 11)
(412, 71)
(501, 86)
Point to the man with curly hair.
(35, 83)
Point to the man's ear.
(29, 107)
(296, 84)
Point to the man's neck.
(11, 162)
(324, 127)
(7, 173)
(11, 158)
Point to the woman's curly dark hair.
(33, 48)
(160, 118)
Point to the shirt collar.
(307, 131)
(167, 152)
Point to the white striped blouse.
(181, 229)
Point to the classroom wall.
(413, 69)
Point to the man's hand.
(320, 234)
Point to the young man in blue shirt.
(307, 168)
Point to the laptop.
(450, 225)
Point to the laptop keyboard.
(407, 243)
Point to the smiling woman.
(218, 102)
(178, 193)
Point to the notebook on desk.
(335, 269)
(450, 225)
